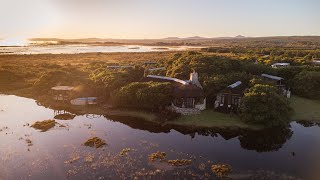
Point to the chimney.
(194, 79)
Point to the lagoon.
(84, 48)
(59, 153)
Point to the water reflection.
(75, 49)
(138, 123)
(93, 116)
(308, 123)
(63, 115)
(261, 141)
(265, 140)
(271, 152)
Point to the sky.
(147, 19)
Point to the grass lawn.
(134, 113)
(213, 119)
(305, 109)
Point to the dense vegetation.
(269, 107)
(149, 95)
(262, 104)
(216, 72)
(307, 84)
(108, 80)
(34, 75)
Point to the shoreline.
(147, 116)
(131, 48)
(217, 120)
(207, 120)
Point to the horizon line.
(168, 37)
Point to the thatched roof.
(181, 88)
(163, 78)
(187, 91)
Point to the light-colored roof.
(87, 98)
(169, 79)
(280, 64)
(236, 84)
(159, 68)
(62, 88)
(272, 77)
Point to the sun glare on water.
(14, 42)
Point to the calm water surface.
(60, 154)
(83, 48)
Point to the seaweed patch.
(44, 125)
(180, 162)
(221, 170)
(157, 156)
(125, 152)
(95, 142)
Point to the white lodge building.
(188, 94)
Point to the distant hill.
(240, 36)
(171, 38)
(195, 37)
(186, 38)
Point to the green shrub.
(263, 105)
(307, 84)
(143, 95)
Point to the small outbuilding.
(280, 65)
(279, 83)
(62, 93)
(228, 100)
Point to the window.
(235, 100)
(222, 99)
(188, 103)
(199, 100)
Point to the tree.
(307, 84)
(109, 80)
(147, 95)
(180, 65)
(263, 105)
